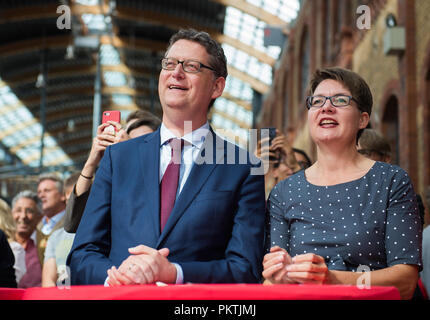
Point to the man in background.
(50, 191)
(58, 247)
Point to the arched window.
(390, 127)
(304, 64)
(339, 17)
(286, 92)
(427, 126)
(327, 33)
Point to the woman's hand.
(274, 264)
(120, 134)
(103, 139)
(308, 268)
(281, 145)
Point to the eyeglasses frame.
(182, 63)
(331, 101)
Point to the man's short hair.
(151, 123)
(142, 118)
(217, 59)
(28, 194)
(54, 177)
(371, 141)
(71, 180)
(141, 114)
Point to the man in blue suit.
(214, 232)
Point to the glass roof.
(232, 116)
(228, 114)
(21, 132)
(88, 2)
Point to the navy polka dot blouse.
(372, 221)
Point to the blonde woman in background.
(7, 224)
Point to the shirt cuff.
(106, 284)
(179, 274)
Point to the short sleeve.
(277, 226)
(50, 246)
(403, 232)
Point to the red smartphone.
(111, 116)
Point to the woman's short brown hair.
(359, 89)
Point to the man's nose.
(178, 71)
(20, 215)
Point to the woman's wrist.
(86, 177)
(88, 170)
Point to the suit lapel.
(149, 152)
(200, 172)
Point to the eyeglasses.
(339, 100)
(190, 66)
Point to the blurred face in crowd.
(280, 169)
(53, 201)
(301, 159)
(26, 216)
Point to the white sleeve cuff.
(106, 284)
(179, 274)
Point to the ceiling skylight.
(250, 31)
(19, 131)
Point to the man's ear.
(218, 87)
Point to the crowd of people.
(157, 200)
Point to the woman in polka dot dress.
(345, 213)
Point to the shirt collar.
(196, 137)
(53, 221)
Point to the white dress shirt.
(193, 142)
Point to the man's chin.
(175, 104)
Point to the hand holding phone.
(272, 135)
(112, 115)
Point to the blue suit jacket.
(215, 231)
